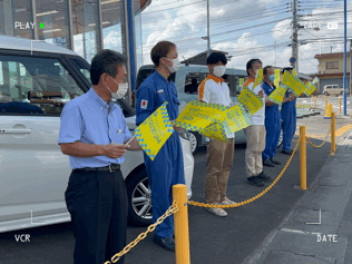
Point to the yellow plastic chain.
(323, 143)
(172, 209)
(255, 197)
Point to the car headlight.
(184, 134)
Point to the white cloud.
(187, 24)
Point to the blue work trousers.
(288, 115)
(273, 129)
(166, 170)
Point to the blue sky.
(245, 29)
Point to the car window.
(143, 73)
(83, 67)
(192, 81)
(35, 86)
(231, 81)
(127, 110)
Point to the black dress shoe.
(268, 163)
(276, 162)
(166, 242)
(254, 180)
(286, 152)
(264, 177)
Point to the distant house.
(330, 69)
(201, 58)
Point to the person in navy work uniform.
(93, 132)
(272, 119)
(289, 116)
(167, 168)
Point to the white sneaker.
(217, 211)
(227, 201)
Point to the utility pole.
(208, 28)
(275, 52)
(349, 88)
(295, 34)
(345, 58)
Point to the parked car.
(35, 84)
(187, 80)
(332, 89)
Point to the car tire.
(139, 199)
(195, 140)
(326, 93)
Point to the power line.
(244, 17)
(214, 27)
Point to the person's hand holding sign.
(114, 150)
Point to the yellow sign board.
(216, 131)
(154, 131)
(277, 96)
(310, 88)
(258, 78)
(236, 119)
(250, 100)
(294, 83)
(198, 115)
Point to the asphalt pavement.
(254, 232)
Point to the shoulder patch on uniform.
(144, 104)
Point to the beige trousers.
(255, 137)
(219, 164)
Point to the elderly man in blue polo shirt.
(93, 133)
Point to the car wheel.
(195, 140)
(139, 198)
(326, 93)
(279, 144)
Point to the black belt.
(112, 168)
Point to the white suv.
(36, 80)
(332, 89)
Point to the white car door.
(34, 172)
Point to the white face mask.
(219, 70)
(121, 91)
(175, 65)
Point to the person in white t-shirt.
(255, 134)
(219, 154)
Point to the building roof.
(335, 55)
(201, 58)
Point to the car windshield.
(35, 86)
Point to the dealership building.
(84, 26)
